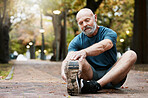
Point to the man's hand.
(79, 55)
(63, 71)
(64, 77)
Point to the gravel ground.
(41, 79)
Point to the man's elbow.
(109, 44)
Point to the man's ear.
(95, 17)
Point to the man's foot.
(73, 85)
(90, 86)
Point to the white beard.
(91, 31)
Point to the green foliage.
(78, 4)
(70, 36)
(16, 45)
(115, 14)
(5, 69)
(118, 15)
(27, 29)
(49, 37)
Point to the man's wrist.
(85, 52)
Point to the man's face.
(87, 24)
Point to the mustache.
(87, 27)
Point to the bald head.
(84, 12)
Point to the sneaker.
(90, 86)
(73, 82)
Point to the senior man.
(91, 63)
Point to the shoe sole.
(72, 82)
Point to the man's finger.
(81, 58)
(77, 56)
(72, 57)
(64, 78)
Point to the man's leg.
(87, 72)
(120, 69)
(90, 86)
(72, 70)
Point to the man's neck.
(95, 32)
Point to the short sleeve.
(74, 45)
(112, 35)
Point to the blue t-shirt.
(104, 60)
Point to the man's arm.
(99, 47)
(93, 50)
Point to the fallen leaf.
(126, 87)
(122, 87)
(51, 92)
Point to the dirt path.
(41, 79)
(34, 79)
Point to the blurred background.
(43, 29)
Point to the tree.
(118, 15)
(11, 16)
(4, 31)
(140, 43)
(59, 44)
(110, 14)
(93, 4)
(59, 25)
(114, 14)
(22, 30)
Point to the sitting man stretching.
(91, 63)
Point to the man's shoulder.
(105, 30)
(79, 36)
(76, 38)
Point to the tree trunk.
(57, 30)
(140, 42)
(93, 4)
(4, 34)
(4, 46)
(59, 44)
(2, 49)
(63, 39)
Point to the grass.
(5, 69)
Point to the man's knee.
(132, 55)
(84, 64)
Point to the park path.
(41, 79)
